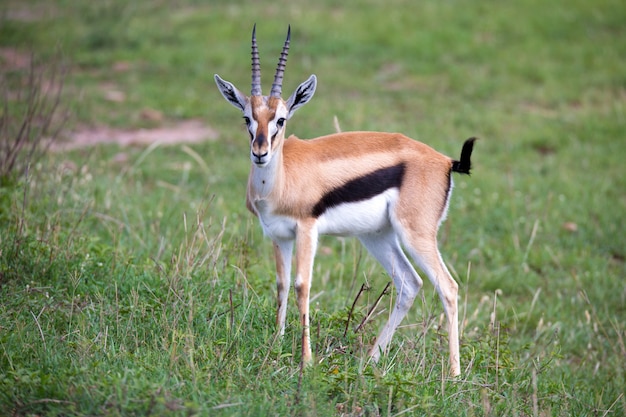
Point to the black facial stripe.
(362, 188)
(278, 128)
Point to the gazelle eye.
(280, 122)
(246, 119)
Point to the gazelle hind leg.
(426, 254)
(387, 250)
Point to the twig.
(364, 287)
(371, 310)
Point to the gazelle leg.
(426, 254)
(306, 245)
(282, 254)
(386, 249)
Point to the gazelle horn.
(280, 69)
(256, 66)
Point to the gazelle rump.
(389, 191)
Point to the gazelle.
(388, 190)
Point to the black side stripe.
(361, 188)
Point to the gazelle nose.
(259, 159)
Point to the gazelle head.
(266, 116)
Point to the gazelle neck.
(264, 180)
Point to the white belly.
(362, 217)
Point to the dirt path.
(188, 131)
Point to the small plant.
(31, 116)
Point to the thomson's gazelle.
(388, 190)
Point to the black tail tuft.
(465, 164)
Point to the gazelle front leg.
(306, 245)
(282, 254)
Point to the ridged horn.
(256, 66)
(280, 69)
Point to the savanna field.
(134, 282)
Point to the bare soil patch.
(188, 131)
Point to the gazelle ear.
(231, 93)
(302, 95)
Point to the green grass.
(142, 286)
